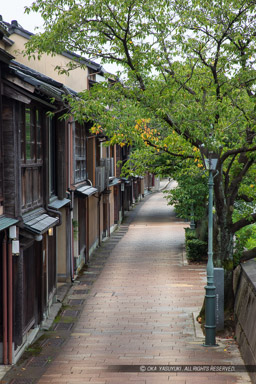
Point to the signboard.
(219, 304)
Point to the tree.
(188, 73)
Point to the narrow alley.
(136, 310)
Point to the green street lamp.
(210, 295)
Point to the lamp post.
(210, 296)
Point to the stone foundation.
(245, 311)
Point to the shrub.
(196, 249)
(190, 234)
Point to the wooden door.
(32, 286)
(52, 262)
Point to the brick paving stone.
(138, 309)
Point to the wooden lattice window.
(80, 153)
(1, 177)
(31, 158)
(52, 158)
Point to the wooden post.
(5, 319)
(10, 302)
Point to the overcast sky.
(14, 10)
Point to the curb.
(197, 327)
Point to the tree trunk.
(248, 254)
(223, 258)
(223, 240)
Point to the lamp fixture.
(13, 232)
(15, 247)
(210, 164)
(50, 231)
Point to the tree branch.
(243, 223)
(236, 152)
(170, 153)
(227, 173)
(245, 198)
(233, 190)
(182, 85)
(248, 255)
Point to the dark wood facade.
(27, 139)
(44, 163)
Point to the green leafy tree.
(188, 74)
(190, 195)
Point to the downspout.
(87, 232)
(99, 199)
(5, 330)
(55, 212)
(59, 214)
(72, 269)
(71, 235)
(108, 216)
(71, 251)
(69, 151)
(10, 302)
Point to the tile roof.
(6, 222)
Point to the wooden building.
(61, 192)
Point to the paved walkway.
(135, 313)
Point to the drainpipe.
(72, 271)
(87, 232)
(71, 235)
(55, 212)
(69, 135)
(10, 302)
(99, 199)
(59, 214)
(108, 216)
(5, 331)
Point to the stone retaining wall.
(245, 312)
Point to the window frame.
(1, 169)
(52, 157)
(31, 157)
(80, 169)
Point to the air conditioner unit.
(105, 162)
(100, 178)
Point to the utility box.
(219, 303)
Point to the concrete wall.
(245, 312)
(77, 79)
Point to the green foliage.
(189, 197)
(188, 77)
(75, 229)
(196, 249)
(245, 237)
(190, 234)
